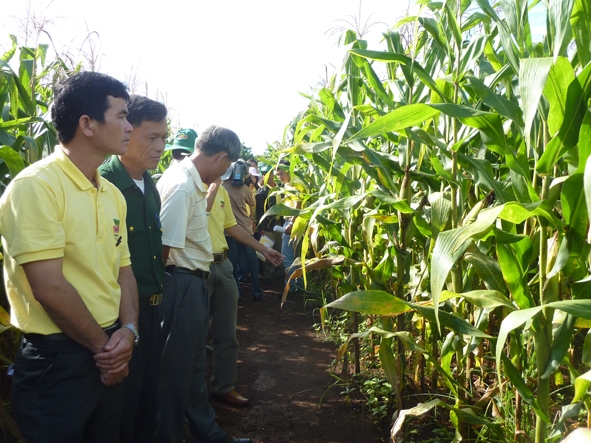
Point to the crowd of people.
(115, 280)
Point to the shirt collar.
(190, 166)
(75, 174)
(121, 177)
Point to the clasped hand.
(113, 361)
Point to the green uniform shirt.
(143, 226)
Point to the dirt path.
(283, 370)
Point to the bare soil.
(284, 369)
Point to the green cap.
(184, 140)
(264, 168)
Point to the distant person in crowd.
(265, 227)
(254, 164)
(183, 144)
(243, 257)
(187, 249)
(223, 293)
(293, 186)
(68, 272)
(253, 179)
(129, 172)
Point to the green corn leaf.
(574, 208)
(12, 159)
(582, 384)
(281, 209)
(533, 73)
(560, 345)
(438, 166)
(500, 104)
(487, 268)
(483, 299)
(448, 320)
(397, 120)
(371, 302)
(11, 124)
(397, 204)
(440, 210)
(584, 142)
(517, 213)
(482, 171)
(386, 353)
(514, 260)
(489, 124)
(452, 23)
(580, 20)
(521, 387)
(556, 89)
(559, 12)
(472, 53)
(391, 57)
(410, 343)
(376, 84)
(451, 243)
(577, 308)
(511, 322)
(563, 255)
(578, 95)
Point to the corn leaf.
(397, 120)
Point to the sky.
(241, 64)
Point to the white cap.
(254, 171)
(228, 172)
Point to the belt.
(172, 269)
(152, 300)
(61, 336)
(219, 258)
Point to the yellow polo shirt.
(51, 210)
(220, 218)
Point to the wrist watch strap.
(133, 329)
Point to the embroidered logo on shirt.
(116, 227)
(222, 204)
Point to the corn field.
(449, 195)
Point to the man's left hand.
(273, 256)
(117, 352)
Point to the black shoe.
(257, 297)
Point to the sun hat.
(183, 140)
(253, 171)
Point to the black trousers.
(58, 396)
(138, 424)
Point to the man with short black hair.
(69, 279)
(129, 172)
(187, 249)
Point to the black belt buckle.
(219, 258)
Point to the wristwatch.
(136, 334)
